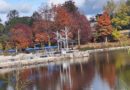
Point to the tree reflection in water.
(78, 76)
(124, 78)
(19, 79)
(110, 69)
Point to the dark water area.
(103, 71)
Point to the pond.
(103, 71)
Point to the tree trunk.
(106, 40)
(16, 50)
(42, 45)
(78, 38)
(49, 41)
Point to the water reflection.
(80, 76)
(108, 71)
(104, 71)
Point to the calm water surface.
(104, 71)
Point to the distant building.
(125, 32)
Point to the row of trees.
(22, 32)
(120, 13)
(115, 17)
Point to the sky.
(27, 7)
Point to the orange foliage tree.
(67, 15)
(63, 18)
(41, 37)
(104, 25)
(41, 33)
(21, 36)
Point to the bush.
(116, 34)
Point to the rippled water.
(104, 71)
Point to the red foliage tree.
(41, 37)
(81, 23)
(39, 26)
(67, 16)
(104, 25)
(21, 36)
(42, 31)
(63, 18)
(77, 22)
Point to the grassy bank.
(91, 46)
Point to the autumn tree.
(80, 26)
(41, 38)
(46, 13)
(62, 18)
(116, 35)
(58, 18)
(40, 27)
(39, 34)
(104, 26)
(121, 18)
(67, 15)
(21, 36)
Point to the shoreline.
(108, 49)
(61, 62)
(28, 60)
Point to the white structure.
(62, 41)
